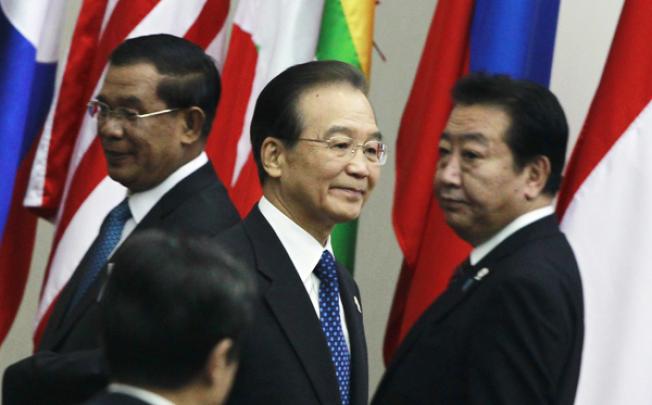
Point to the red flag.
(605, 208)
(417, 220)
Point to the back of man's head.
(191, 78)
(169, 301)
(538, 123)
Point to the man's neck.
(320, 232)
(481, 250)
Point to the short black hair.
(191, 78)
(168, 301)
(276, 112)
(538, 123)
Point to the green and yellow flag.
(347, 35)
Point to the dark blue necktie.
(106, 241)
(329, 314)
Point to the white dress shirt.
(140, 393)
(304, 251)
(483, 249)
(142, 202)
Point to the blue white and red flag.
(29, 46)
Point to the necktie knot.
(121, 212)
(326, 270)
(461, 271)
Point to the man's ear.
(221, 367)
(192, 123)
(272, 156)
(538, 173)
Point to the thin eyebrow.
(338, 129)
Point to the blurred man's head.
(316, 144)
(501, 154)
(155, 108)
(173, 314)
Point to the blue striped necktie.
(106, 241)
(329, 314)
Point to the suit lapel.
(291, 306)
(66, 318)
(55, 330)
(353, 314)
(485, 268)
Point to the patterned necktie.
(329, 310)
(98, 253)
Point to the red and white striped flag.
(69, 181)
(606, 210)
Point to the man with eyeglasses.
(318, 152)
(154, 112)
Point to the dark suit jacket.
(512, 337)
(114, 398)
(285, 358)
(67, 367)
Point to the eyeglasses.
(103, 112)
(342, 146)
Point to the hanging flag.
(347, 35)
(29, 46)
(605, 205)
(69, 180)
(269, 36)
(515, 37)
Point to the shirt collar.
(304, 250)
(140, 393)
(141, 203)
(480, 251)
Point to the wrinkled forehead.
(337, 107)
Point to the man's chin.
(347, 214)
(459, 224)
(125, 179)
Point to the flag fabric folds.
(29, 47)
(68, 179)
(605, 209)
(269, 36)
(500, 36)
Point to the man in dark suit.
(318, 151)
(154, 112)
(173, 314)
(509, 327)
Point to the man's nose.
(359, 164)
(449, 170)
(110, 127)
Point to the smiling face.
(477, 183)
(309, 184)
(140, 155)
